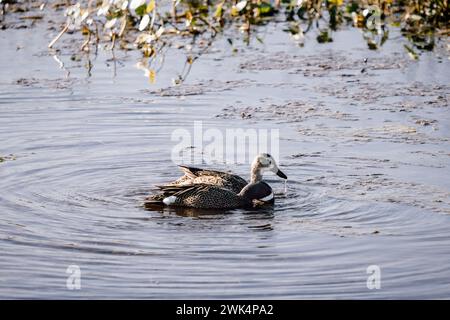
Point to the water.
(367, 182)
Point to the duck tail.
(156, 199)
(166, 191)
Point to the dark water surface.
(367, 154)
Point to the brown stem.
(66, 27)
(174, 11)
(86, 43)
(113, 44)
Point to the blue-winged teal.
(262, 162)
(206, 196)
(201, 188)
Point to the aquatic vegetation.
(152, 18)
(152, 25)
(7, 158)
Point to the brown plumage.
(205, 196)
(202, 188)
(201, 176)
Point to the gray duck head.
(264, 162)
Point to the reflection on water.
(81, 154)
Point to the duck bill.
(281, 174)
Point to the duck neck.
(255, 175)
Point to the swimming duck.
(262, 162)
(206, 196)
(200, 188)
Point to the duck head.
(264, 162)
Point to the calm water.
(368, 181)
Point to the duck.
(261, 163)
(210, 189)
(206, 196)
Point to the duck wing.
(194, 175)
(203, 196)
(204, 176)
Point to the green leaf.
(323, 37)
(265, 9)
(413, 55)
(141, 10)
(218, 13)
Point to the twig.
(86, 43)
(174, 11)
(36, 17)
(113, 44)
(66, 27)
(123, 26)
(205, 21)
